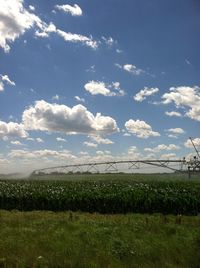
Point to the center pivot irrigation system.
(178, 166)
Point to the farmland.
(100, 220)
(108, 193)
(76, 239)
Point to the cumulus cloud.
(142, 94)
(90, 144)
(12, 129)
(100, 88)
(98, 139)
(162, 147)
(196, 142)
(140, 129)
(130, 68)
(79, 99)
(61, 118)
(73, 10)
(186, 97)
(15, 20)
(26, 154)
(177, 130)
(173, 113)
(5, 79)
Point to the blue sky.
(97, 80)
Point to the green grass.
(66, 239)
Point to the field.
(66, 239)
(104, 220)
(103, 193)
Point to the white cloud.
(61, 139)
(6, 79)
(172, 136)
(109, 41)
(32, 8)
(133, 153)
(142, 94)
(12, 129)
(38, 154)
(16, 143)
(1, 86)
(39, 140)
(132, 150)
(61, 118)
(118, 65)
(71, 37)
(77, 98)
(96, 88)
(100, 88)
(91, 69)
(90, 144)
(45, 31)
(30, 139)
(73, 10)
(84, 153)
(130, 68)
(196, 142)
(169, 156)
(173, 113)
(126, 134)
(162, 147)
(56, 97)
(140, 129)
(177, 130)
(119, 50)
(15, 20)
(186, 97)
(98, 139)
(32, 90)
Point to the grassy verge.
(66, 239)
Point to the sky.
(97, 80)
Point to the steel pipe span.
(181, 165)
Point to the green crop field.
(104, 194)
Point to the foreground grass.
(66, 239)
